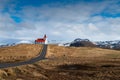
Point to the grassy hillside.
(85, 52)
(19, 52)
(69, 63)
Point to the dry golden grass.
(25, 72)
(85, 52)
(69, 63)
(19, 52)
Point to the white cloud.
(67, 22)
(56, 33)
(92, 27)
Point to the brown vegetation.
(82, 52)
(69, 63)
(19, 52)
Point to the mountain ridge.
(112, 44)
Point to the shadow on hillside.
(109, 65)
(75, 67)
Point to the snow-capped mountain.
(109, 44)
(82, 43)
(24, 42)
(78, 42)
(12, 42)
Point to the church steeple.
(45, 36)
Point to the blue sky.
(62, 20)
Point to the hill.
(88, 52)
(82, 43)
(69, 63)
(19, 52)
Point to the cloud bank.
(60, 21)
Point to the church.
(41, 40)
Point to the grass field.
(69, 63)
(82, 52)
(19, 52)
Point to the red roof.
(40, 40)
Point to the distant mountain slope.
(115, 44)
(24, 42)
(8, 41)
(82, 43)
(109, 44)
